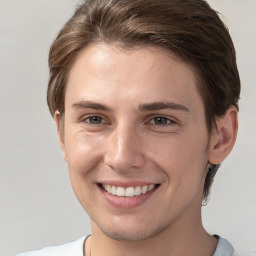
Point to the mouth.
(128, 191)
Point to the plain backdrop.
(37, 205)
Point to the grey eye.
(160, 120)
(94, 120)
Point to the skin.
(148, 126)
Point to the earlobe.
(60, 134)
(224, 136)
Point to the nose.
(123, 151)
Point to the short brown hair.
(190, 29)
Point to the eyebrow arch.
(83, 104)
(162, 105)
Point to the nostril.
(125, 161)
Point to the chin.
(130, 232)
(129, 236)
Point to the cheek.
(178, 150)
(83, 152)
(182, 158)
(83, 158)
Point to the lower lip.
(127, 202)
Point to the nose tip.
(124, 152)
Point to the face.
(135, 140)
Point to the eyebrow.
(154, 106)
(90, 104)
(162, 105)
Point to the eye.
(94, 120)
(161, 120)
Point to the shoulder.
(224, 248)
(74, 248)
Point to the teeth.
(114, 192)
(119, 191)
(137, 191)
(109, 189)
(128, 192)
(144, 189)
(151, 187)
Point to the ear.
(224, 136)
(60, 134)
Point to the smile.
(128, 191)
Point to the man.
(145, 97)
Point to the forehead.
(102, 71)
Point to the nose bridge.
(124, 149)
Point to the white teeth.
(137, 191)
(120, 191)
(144, 189)
(129, 191)
(151, 187)
(114, 190)
(109, 189)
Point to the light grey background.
(37, 205)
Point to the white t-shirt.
(75, 248)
